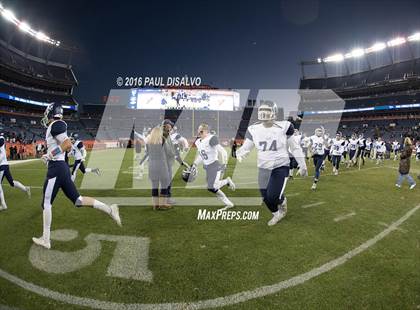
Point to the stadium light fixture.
(396, 41)
(357, 52)
(23, 26)
(414, 37)
(334, 58)
(376, 47)
(9, 15)
(41, 36)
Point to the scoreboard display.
(179, 99)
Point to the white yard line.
(216, 302)
(23, 161)
(344, 217)
(386, 225)
(313, 205)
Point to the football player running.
(5, 172)
(380, 148)
(361, 147)
(337, 151)
(208, 149)
(395, 148)
(368, 148)
(293, 163)
(78, 151)
(58, 174)
(273, 140)
(318, 153)
(353, 149)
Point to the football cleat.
(115, 214)
(230, 206)
(231, 185)
(283, 206)
(276, 218)
(3, 208)
(412, 186)
(313, 186)
(42, 242)
(398, 185)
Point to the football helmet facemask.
(53, 111)
(267, 111)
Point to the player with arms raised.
(273, 140)
(58, 174)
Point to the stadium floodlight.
(414, 37)
(8, 15)
(41, 36)
(334, 58)
(24, 27)
(357, 52)
(376, 47)
(396, 42)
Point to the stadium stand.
(383, 101)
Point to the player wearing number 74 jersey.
(273, 140)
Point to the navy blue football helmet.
(53, 111)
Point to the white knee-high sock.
(3, 202)
(101, 206)
(47, 218)
(221, 196)
(222, 183)
(19, 185)
(88, 169)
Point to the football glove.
(303, 172)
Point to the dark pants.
(318, 159)
(168, 189)
(5, 172)
(293, 163)
(58, 176)
(272, 184)
(336, 161)
(78, 164)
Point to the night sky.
(229, 44)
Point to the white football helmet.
(267, 111)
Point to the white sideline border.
(216, 302)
